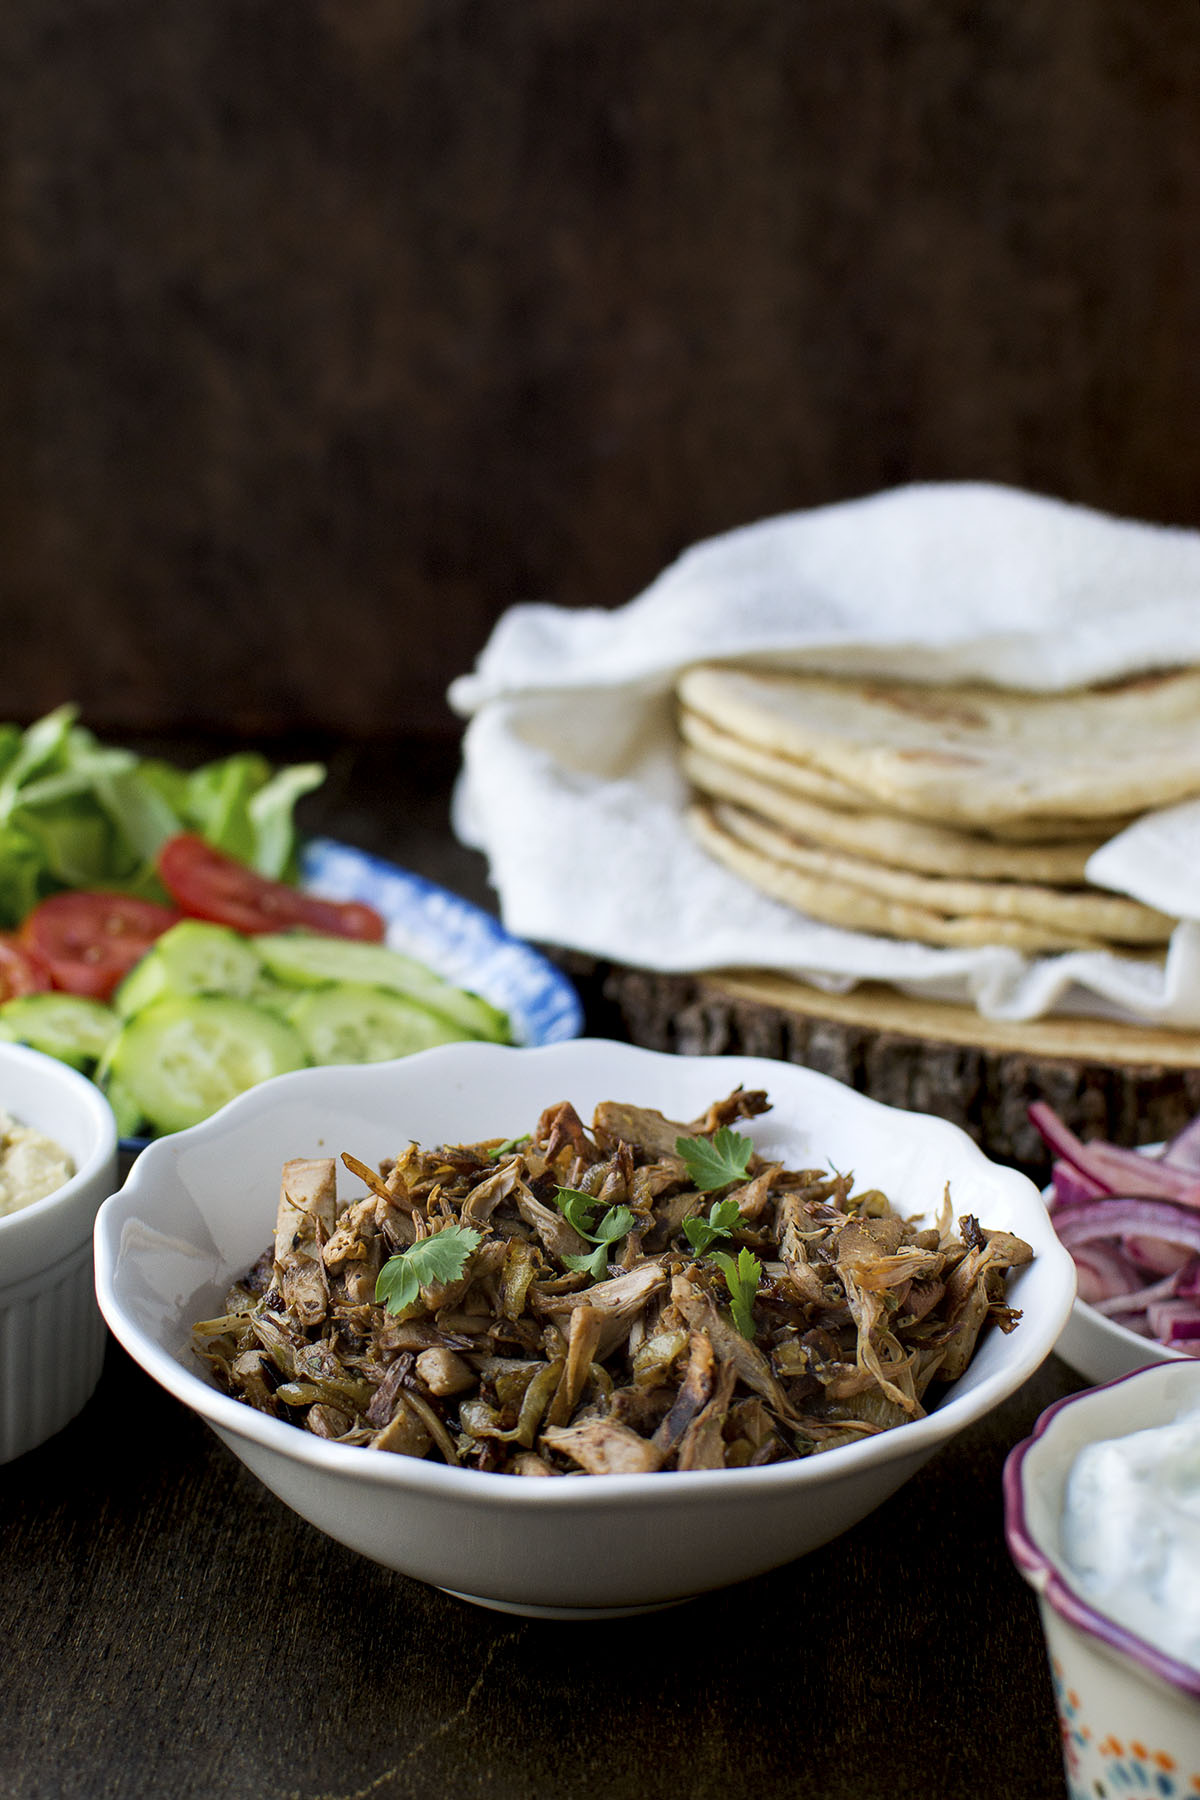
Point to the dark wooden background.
(330, 328)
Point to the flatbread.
(812, 784)
(1115, 1042)
(971, 756)
(797, 777)
(859, 896)
(887, 838)
(1092, 913)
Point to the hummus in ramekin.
(31, 1165)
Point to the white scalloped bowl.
(199, 1207)
(51, 1333)
(1103, 1350)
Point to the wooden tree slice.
(1128, 1083)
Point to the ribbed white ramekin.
(51, 1333)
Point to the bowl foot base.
(563, 1612)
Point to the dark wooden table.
(169, 1628)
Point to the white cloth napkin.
(571, 786)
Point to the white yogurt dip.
(31, 1165)
(1131, 1532)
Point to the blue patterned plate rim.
(454, 936)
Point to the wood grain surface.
(330, 328)
(1128, 1083)
(172, 1629)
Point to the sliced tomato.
(20, 971)
(89, 941)
(207, 884)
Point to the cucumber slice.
(308, 960)
(353, 1023)
(274, 996)
(181, 1059)
(75, 1030)
(126, 1110)
(193, 957)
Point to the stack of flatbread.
(945, 815)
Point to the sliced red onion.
(1059, 1137)
(1131, 1221)
(1114, 1170)
(1155, 1255)
(1127, 1214)
(1183, 1150)
(1172, 1319)
(1104, 1271)
(1072, 1184)
(1133, 1299)
(1187, 1282)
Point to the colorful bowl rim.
(1043, 1573)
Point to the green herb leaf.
(596, 1265)
(615, 1224)
(511, 1144)
(577, 1208)
(702, 1234)
(741, 1278)
(715, 1162)
(437, 1259)
(397, 1284)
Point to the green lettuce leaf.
(76, 844)
(80, 814)
(271, 811)
(21, 866)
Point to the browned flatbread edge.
(875, 1005)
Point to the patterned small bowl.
(1129, 1714)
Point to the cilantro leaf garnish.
(715, 1162)
(440, 1258)
(577, 1209)
(702, 1234)
(595, 1263)
(741, 1278)
(617, 1221)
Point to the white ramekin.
(52, 1336)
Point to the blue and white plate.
(455, 938)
